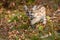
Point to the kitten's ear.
(34, 7)
(25, 7)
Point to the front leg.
(44, 20)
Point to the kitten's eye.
(27, 12)
(31, 12)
